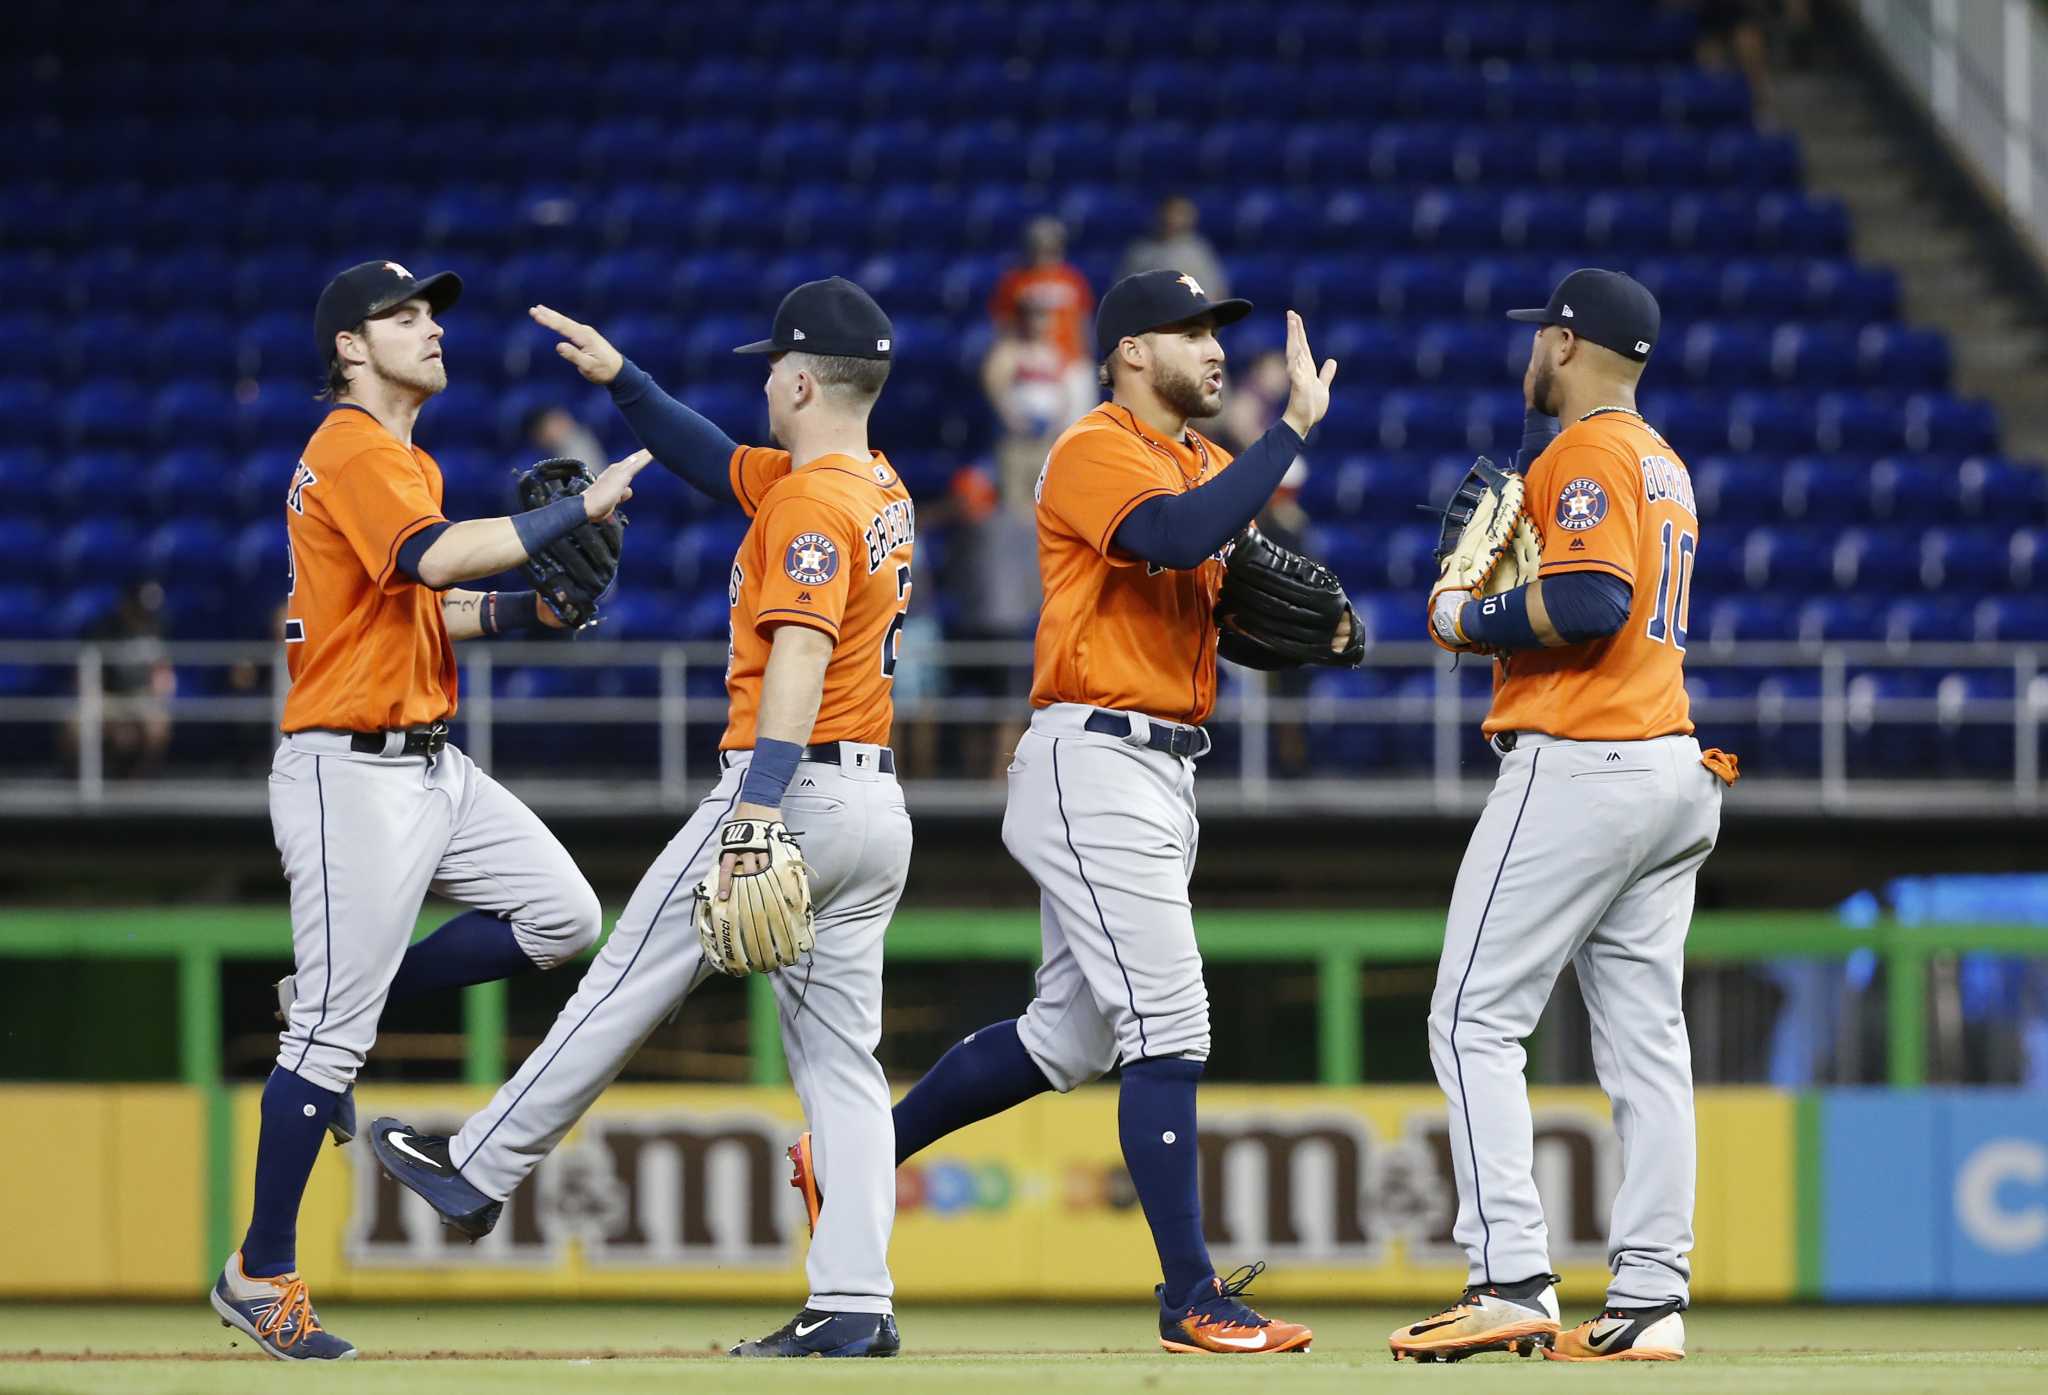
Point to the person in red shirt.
(1048, 282)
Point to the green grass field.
(573, 1349)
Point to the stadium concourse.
(1399, 172)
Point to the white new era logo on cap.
(1566, 312)
(796, 333)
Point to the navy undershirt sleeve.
(683, 442)
(1184, 530)
(415, 547)
(1582, 606)
(1538, 431)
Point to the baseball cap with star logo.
(1610, 308)
(1153, 300)
(833, 317)
(370, 289)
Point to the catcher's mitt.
(765, 921)
(573, 572)
(1488, 544)
(1279, 610)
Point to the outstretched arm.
(448, 553)
(685, 443)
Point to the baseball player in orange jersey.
(1133, 506)
(1587, 851)
(819, 591)
(371, 807)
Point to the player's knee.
(1184, 1032)
(575, 922)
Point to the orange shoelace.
(294, 1310)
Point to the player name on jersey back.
(1610, 495)
(829, 549)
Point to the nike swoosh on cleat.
(397, 1140)
(1421, 1327)
(1604, 1335)
(803, 1331)
(1245, 1343)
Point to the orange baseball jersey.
(1116, 631)
(829, 548)
(1610, 495)
(366, 644)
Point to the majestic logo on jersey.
(1581, 506)
(1194, 286)
(812, 559)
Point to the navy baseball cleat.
(421, 1163)
(816, 1333)
(342, 1127)
(277, 1314)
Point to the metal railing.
(1825, 731)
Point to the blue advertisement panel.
(1934, 1194)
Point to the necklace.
(1603, 411)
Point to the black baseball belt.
(419, 741)
(1191, 742)
(846, 753)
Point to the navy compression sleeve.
(1582, 606)
(415, 547)
(1183, 530)
(1538, 431)
(683, 442)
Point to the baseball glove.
(1488, 543)
(572, 573)
(1279, 610)
(765, 922)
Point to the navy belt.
(420, 741)
(831, 753)
(1191, 742)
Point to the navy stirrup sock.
(295, 1115)
(1156, 1124)
(474, 947)
(985, 1073)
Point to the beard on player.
(1196, 398)
(405, 361)
(1543, 393)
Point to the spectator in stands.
(1255, 399)
(1049, 282)
(1036, 389)
(1175, 244)
(990, 574)
(555, 434)
(138, 682)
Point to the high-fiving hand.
(1308, 390)
(590, 352)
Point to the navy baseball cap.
(368, 289)
(832, 316)
(1152, 300)
(1614, 310)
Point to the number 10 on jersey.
(1673, 612)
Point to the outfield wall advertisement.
(683, 1192)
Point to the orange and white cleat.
(1626, 1334)
(805, 1178)
(1487, 1317)
(1218, 1322)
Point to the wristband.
(509, 612)
(1500, 622)
(549, 523)
(770, 771)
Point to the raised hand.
(613, 487)
(1308, 395)
(590, 352)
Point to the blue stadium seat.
(1802, 224)
(28, 546)
(1954, 425)
(1902, 358)
(1726, 355)
(1969, 561)
(1737, 489)
(27, 344)
(1931, 620)
(258, 551)
(722, 283)
(1906, 489)
(1843, 619)
(2012, 620)
(100, 550)
(1814, 355)
(1852, 422)
(85, 609)
(105, 413)
(198, 612)
(1868, 559)
(1826, 489)
(1733, 620)
(29, 281)
(184, 412)
(187, 480)
(1989, 487)
(280, 414)
(1790, 560)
